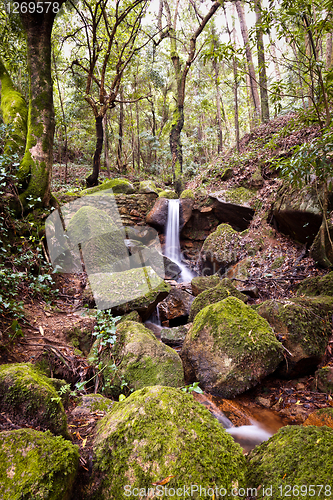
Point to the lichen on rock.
(159, 432)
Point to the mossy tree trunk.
(36, 166)
(14, 112)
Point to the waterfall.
(172, 243)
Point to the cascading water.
(172, 243)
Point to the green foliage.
(193, 388)
(105, 329)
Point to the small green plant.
(193, 388)
(106, 326)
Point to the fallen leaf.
(163, 481)
(41, 329)
(84, 442)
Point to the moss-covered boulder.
(148, 187)
(139, 289)
(324, 379)
(201, 283)
(317, 285)
(91, 403)
(304, 326)
(141, 360)
(187, 193)
(221, 291)
(36, 465)
(229, 348)
(101, 239)
(219, 250)
(174, 336)
(167, 193)
(118, 186)
(27, 395)
(295, 457)
(158, 433)
(321, 417)
(235, 206)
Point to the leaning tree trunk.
(92, 180)
(36, 165)
(261, 64)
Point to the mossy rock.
(304, 324)
(139, 289)
(226, 174)
(141, 360)
(132, 316)
(221, 291)
(187, 193)
(147, 187)
(229, 348)
(90, 403)
(26, 394)
(321, 417)
(219, 250)
(324, 379)
(295, 456)
(239, 195)
(170, 195)
(201, 283)
(118, 186)
(36, 465)
(318, 285)
(159, 432)
(174, 336)
(102, 241)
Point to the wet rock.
(304, 326)
(26, 394)
(221, 291)
(321, 417)
(36, 465)
(158, 215)
(295, 456)
(229, 348)
(233, 207)
(174, 336)
(201, 283)
(177, 304)
(190, 447)
(185, 211)
(324, 379)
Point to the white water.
(172, 243)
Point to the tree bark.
(120, 131)
(328, 51)
(92, 180)
(252, 75)
(218, 109)
(261, 64)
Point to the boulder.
(187, 193)
(91, 403)
(141, 360)
(36, 465)
(304, 327)
(295, 457)
(229, 348)
(201, 283)
(219, 250)
(221, 291)
(139, 289)
(185, 211)
(321, 249)
(148, 187)
(117, 186)
(324, 379)
(167, 193)
(318, 285)
(176, 305)
(158, 215)
(321, 417)
(233, 206)
(145, 256)
(174, 336)
(160, 435)
(30, 398)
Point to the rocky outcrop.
(27, 395)
(295, 457)
(317, 285)
(229, 348)
(220, 250)
(158, 216)
(176, 305)
(324, 379)
(36, 465)
(233, 207)
(117, 186)
(304, 327)
(160, 433)
(174, 336)
(148, 187)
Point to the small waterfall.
(172, 243)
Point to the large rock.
(29, 398)
(145, 256)
(221, 291)
(317, 285)
(324, 379)
(139, 289)
(201, 283)
(176, 305)
(233, 206)
(174, 336)
(148, 187)
(304, 326)
(229, 348)
(117, 186)
(323, 416)
(141, 360)
(36, 465)
(160, 433)
(185, 211)
(296, 462)
(158, 215)
(219, 250)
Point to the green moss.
(318, 285)
(117, 185)
(132, 316)
(25, 392)
(223, 290)
(239, 195)
(148, 187)
(132, 447)
(201, 283)
(226, 173)
(297, 456)
(36, 465)
(324, 379)
(171, 195)
(95, 402)
(188, 193)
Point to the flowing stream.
(172, 243)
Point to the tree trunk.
(106, 145)
(92, 180)
(328, 51)
(252, 75)
(175, 142)
(38, 157)
(261, 64)
(218, 109)
(120, 132)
